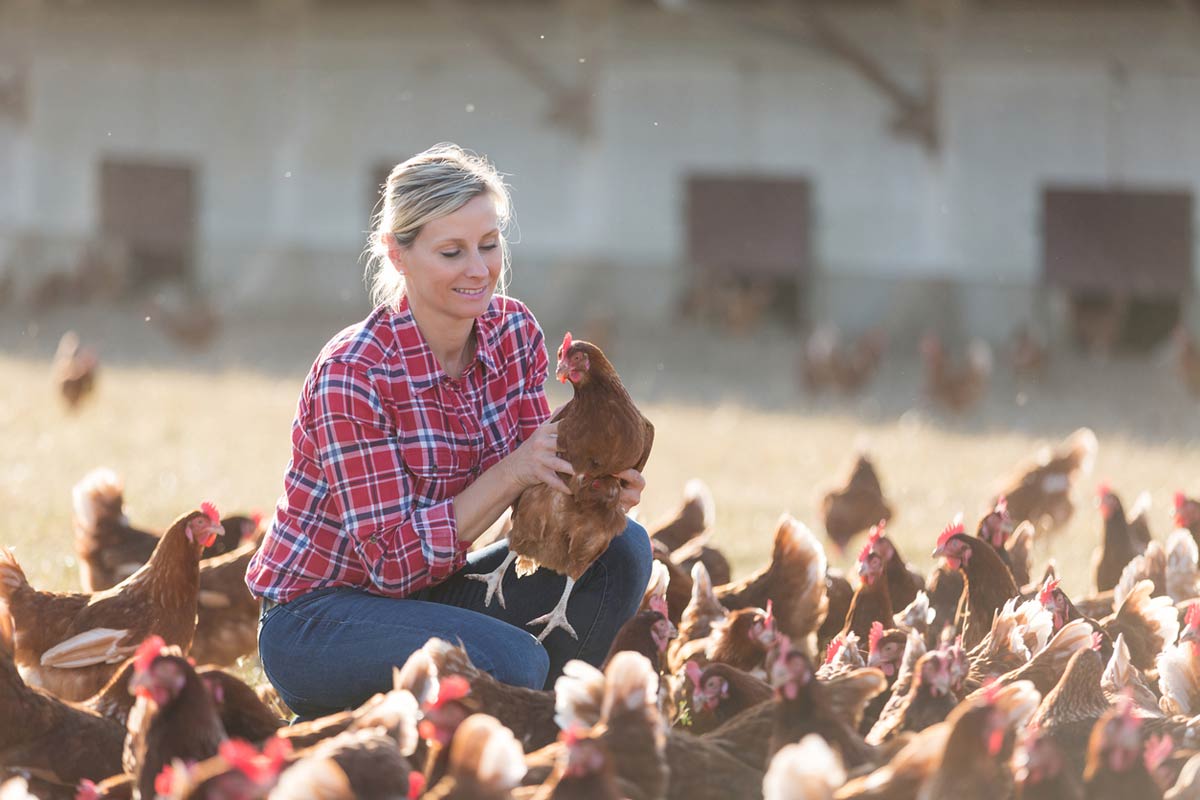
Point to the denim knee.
(522, 662)
(631, 558)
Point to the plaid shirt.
(382, 442)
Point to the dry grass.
(194, 430)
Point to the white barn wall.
(250, 93)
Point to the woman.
(416, 428)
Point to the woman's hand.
(536, 460)
(632, 484)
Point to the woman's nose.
(476, 265)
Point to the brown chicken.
(1117, 547)
(1116, 769)
(989, 584)
(71, 644)
(956, 387)
(872, 601)
(903, 581)
(1179, 669)
(239, 771)
(980, 745)
(227, 625)
(1041, 770)
(793, 582)
(174, 717)
(243, 715)
(719, 692)
(832, 709)
(74, 370)
(702, 612)
(930, 698)
(486, 763)
(743, 639)
(827, 362)
(944, 589)
(529, 713)
(1187, 514)
(357, 763)
(601, 433)
(646, 632)
(108, 547)
(584, 771)
(1040, 490)
(65, 741)
(856, 505)
(696, 514)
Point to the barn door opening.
(150, 208)
(1124, 258)
(749, 247)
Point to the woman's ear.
(394, 251)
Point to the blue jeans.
(331, 649)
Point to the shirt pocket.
(433, 466)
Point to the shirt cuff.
(437, 527)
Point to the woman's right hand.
(536, 460)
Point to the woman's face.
(452, 267)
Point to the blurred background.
(952, 230)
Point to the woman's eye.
(491, 246)
(451, 254)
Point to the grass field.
(182, 428)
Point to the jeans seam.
(599, 610)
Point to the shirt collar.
(420, 367)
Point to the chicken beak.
(938, 552)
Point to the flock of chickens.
(830, 361)
(982, 679)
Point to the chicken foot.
(494, 580)
(557, 618)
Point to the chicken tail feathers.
(799, 562)
(525, 566)
(97, 496)
(12, 577)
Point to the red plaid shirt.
(382, 442)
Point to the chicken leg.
(557, 618)
(495, 580)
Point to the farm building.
(873, 160)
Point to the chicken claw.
(495, 581)
(557, 618)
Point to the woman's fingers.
(551, 479)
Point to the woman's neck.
(451, 341)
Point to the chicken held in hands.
(72, 643)
(601, 433)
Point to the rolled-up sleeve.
(403, 547)
(534, 407)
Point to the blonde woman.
(415, 429)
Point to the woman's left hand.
(632, 484)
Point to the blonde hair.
(426, 187)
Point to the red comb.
(452, 688)
(147, 652)
(693, 672)
(237, 752)
(571, 735)
(1192, 619)
(953, 529)
(1001, 505)
(1097, 641)
(1180, 500)
(1103, 489)
(877, 532)
(567, 342)
(770, 614)
(277, 749)
(832, 649)
(1047, 593)
(991, 690)
(874, 637)
(996, 741)
(1158, 748)
(210, 511)
(257, 517)
(659, 603)
(260, 768)
(87, 790)
(865, 553)
(162, 784)
(416, 785)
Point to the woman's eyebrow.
(460, 240)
